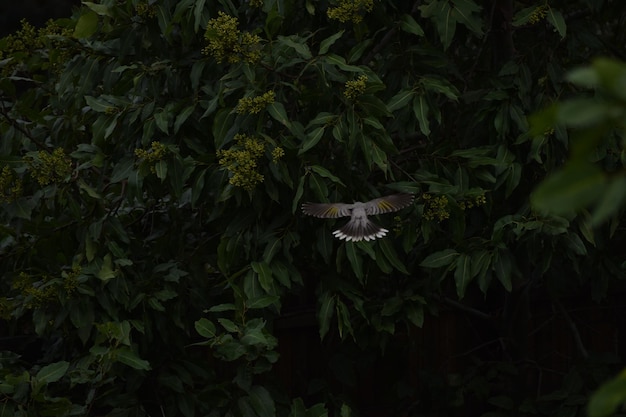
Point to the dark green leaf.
(392, 256)
(265, 275)
(355, 260)
(311, 139)
(557, 21)
(326, 312)
(277, 111)
(130, 358)
(323, 172)
(462, 274)
(408, 24)
(439, 259)
(400, 100)
(328, 42)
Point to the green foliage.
(155, 154)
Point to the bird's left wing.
(324, 210)
(388, 203)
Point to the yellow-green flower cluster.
(70, 279)
(354, 88)
(7, 307)
(256, 3)
(228, 43)
(242, 161)
(471, 203)
(277, 153)
(435, 208)
(350, 10)
(28, 39)
(50, 167)
(42, 292)
(10, 185)
(156, 153)
(37, 294)
(145, 10)
(538, 14)
(253, 105)
(23, 40)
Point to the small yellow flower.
(350, 10)
(156, 153)
(50, 167)
(228, 43)
(355, 88)
(10, 185)
(436, 208)
(277, 153)
(145, 10)
(242, 161)
(253, 105)
(538, 14)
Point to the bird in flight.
(359, 227)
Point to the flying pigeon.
(359, 227)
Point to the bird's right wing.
(324, 210)
(389, 203)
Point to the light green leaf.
(86, 25)
(228, 325)
(100, 9)
(312, 139)
(52, 372)
(205, 328)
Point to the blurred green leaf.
(572, 188)
(606, 400)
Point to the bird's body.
(359, 227)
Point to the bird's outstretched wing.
(324, 210)
(388, 203)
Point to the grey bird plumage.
(359, 227)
